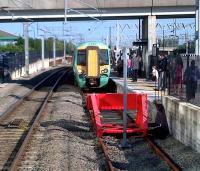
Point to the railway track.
(156, 149)
(57, 143)
(163, 155)
(19, 122)
(20, 140)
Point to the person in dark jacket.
(178, 74)
(162, 69)
(120, 67)
(191, 77)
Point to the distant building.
(6, 38)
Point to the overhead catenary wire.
(99, 9)
(70, 9)
(8, 11)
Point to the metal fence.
(10, 62)
(183, 77)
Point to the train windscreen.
(81, 57)
(103, 57)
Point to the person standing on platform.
(191, 77)
(154, 74)
(120, 67)
(162, 68)
(135, 67)
(129, 66)
(178, 75)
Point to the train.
(91, 65)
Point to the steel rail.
(102, 144)
(155, 147)
(105, 151)
(33, 126)
(163, 155)
(18, 102)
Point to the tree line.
(35, 45)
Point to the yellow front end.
(92, 73)
(92, 64)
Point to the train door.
(92, 62)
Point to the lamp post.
(54, 51)
(26, 43)
(42, 46)
(33, 37)
(64, 24)
(117, 55)
(110, 36)
(26, 47)
(54, 44)
(64, 43)
(124, 141)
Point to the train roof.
(99, 44)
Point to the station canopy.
(6, 37)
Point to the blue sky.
(99, 30)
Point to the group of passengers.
(189, 78)
(166, 72)
(134, 65)
(173, 71)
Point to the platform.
(182, 117)
(141, 86)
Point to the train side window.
(81, 57)
(103, 57)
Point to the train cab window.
(81, 57)
(103, 57)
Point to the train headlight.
(81, 71)
(104, 71)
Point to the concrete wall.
(173, 2)
(183, 121)
(59, 4)
(35, 67)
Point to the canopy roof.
(5, 36)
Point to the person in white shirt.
(154, 74)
